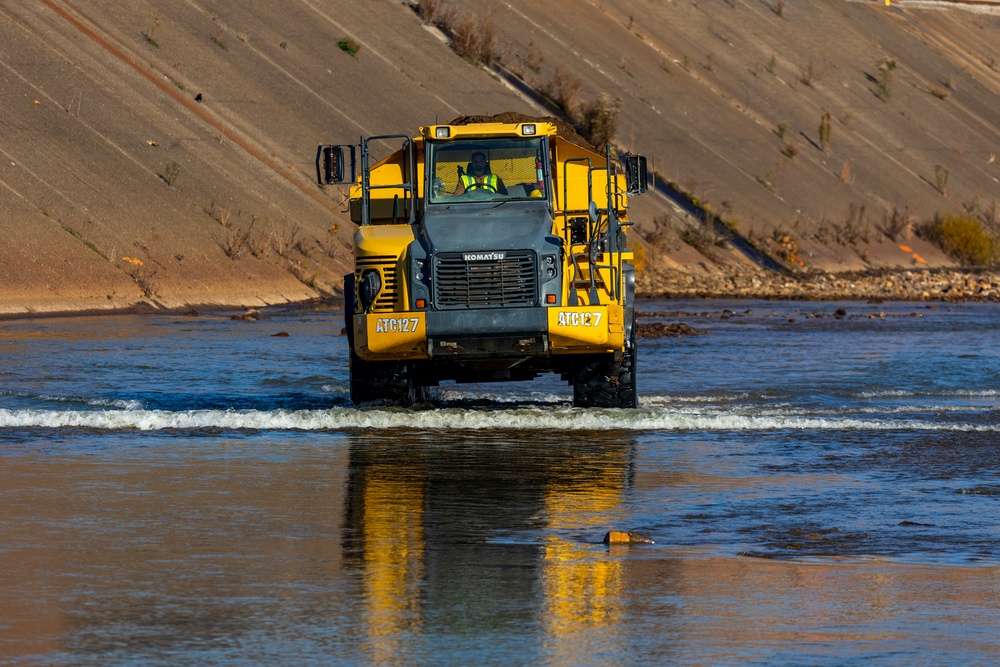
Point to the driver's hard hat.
(537, 194)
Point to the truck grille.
(486, 279)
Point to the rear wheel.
(597, 384)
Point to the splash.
(515, 418)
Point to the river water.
(821, 490)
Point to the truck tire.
(382, 382)
(593, 386)
(375, 381)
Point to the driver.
(480, 177)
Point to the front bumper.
(493, 332)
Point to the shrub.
(599, 120)
(563, 89)
(475, 39)
(433, 12)
(349, 46)
(963, 238)
(885, 70)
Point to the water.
(199, 490)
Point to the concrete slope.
(162, 151)
(729, 97)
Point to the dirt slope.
(163, 152)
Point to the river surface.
(198, 490)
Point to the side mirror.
(330, 165)
(636, 177)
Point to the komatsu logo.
(483, 256)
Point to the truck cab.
(488, 252)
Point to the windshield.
(486, 170)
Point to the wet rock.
(623, 537)
(280, 334)
(250, 315)
(661, 330)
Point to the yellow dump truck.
(488, 251)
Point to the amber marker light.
(421, 303)
(550, 298)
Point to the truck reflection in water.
(485, 536)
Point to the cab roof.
(484, 130)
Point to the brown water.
(198, 491)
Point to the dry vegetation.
(475, 38)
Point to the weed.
(845, 173)
(940, 93)
(286, 239)
(533, 57)
(476, 40)
(95, 249)
(810, 73)
(599, 120)
(237, 241)
(150, 34)
(778, 7)
(985, 214)
(283, 46)
(963, 238)
(349, 46)
(563, 89)
(142, 276)
(770, 178)
(787, 246)
(884, 80)
(659, 238)
(855, 227)
(941, 174)
(895, 223)
(782, 129)
(771, 65)
(791, 149)
(702, 236)
(824, 231)
(433, 12)
(170, 173)
(217, 40)
(825, 130)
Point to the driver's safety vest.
(489, 182)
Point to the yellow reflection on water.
(582, 586)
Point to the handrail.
(409, 170)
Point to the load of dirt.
(566, 131)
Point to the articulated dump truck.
(488, 251)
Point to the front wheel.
(597, 384)
(382, 381)
(375, 381)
